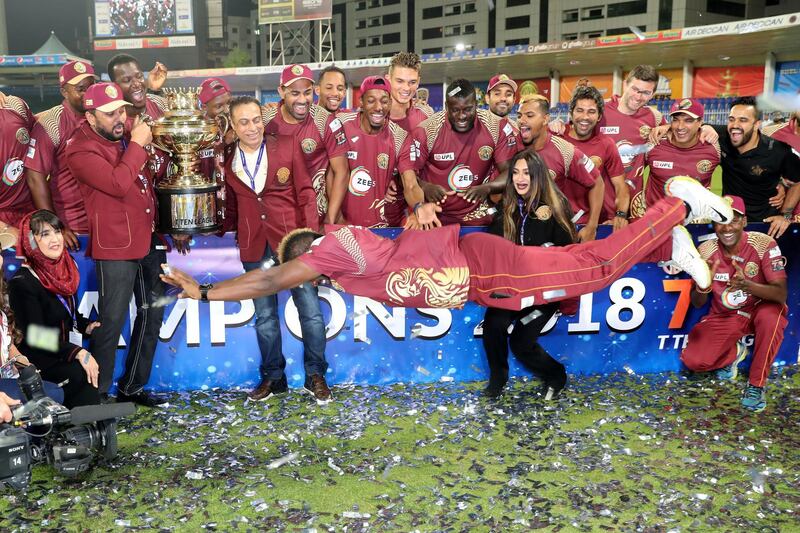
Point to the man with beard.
(374, 147)
(331, 89)
(566, 163)
(16, 121)
(753, 165)
(585, 111)
(404, 80)
(500, 94)
(681, 153)
(110, 163)
(748, 296)
(454, 152)
(317, 131)
(60, 194)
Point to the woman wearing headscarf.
(532, 212)
(42, 293)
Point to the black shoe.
(144, 398)
(267, 389)
(494, 389)
(552, 389)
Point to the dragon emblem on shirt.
(446, 287)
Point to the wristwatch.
(788, 215)
(622, 214)
(204, 288)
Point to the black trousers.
(523, 342)
(117, 281)
(78, 390)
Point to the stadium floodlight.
(460, 47)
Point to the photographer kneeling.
(42, 293)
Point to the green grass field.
(616, 453)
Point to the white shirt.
(259, 177)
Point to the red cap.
(374, 82)
(75, 71)
(211, 88)
(737, 204)
(691, 107)
(499, 80)
(105, 97)
(292, 73)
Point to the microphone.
(85, 414)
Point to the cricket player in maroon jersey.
(331, 89)
(214, 97)
(60, 193)
(565, 163)
(404, 78)
(500, 95)
(268, 194)
(111, 165)
(318, 133)
(748, 296)
(437, 269)
(16, 121)
(681, 153)
(585, 111)
(454, 152)
(374, 147)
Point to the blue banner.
(787, 77)
(639, 324)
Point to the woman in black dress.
(42, 293)
(532, 212)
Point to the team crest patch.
(23, 137)
(80, 68)
(297, 70)
(283, 175)
(111, 91)
(644, 131)
(751, 269)
(543, 212)
(757, 170)
(485, 153)
(597, 161)
(685, 104)
(704, 166)
(383, 161)
(308, 145)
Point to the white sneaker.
(703, 203)
(686, 256)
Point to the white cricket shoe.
(703, 203)
(688, 259)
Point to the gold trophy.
(187, 200)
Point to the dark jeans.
(11, 387)
(117, 281)
(523, 341)
(268, 329)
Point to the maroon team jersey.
(666, 161)
(416, 115)
(627, 131)
(321, 138)
(603, 153)
(457, 161)
(784, 132)
(46, 156)
(758, 256)
(16, 121)
(418, 269)
(373, 161)
(573, 172)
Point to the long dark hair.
(16, 335)
(542, 192)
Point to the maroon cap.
(292, 73)
(374, 82)
(105, 97)
(691, 107)
(737, 204)
(211, 88)
(499, 80)
(74, 71)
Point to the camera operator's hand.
(89, 366)
(6, 404)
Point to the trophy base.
(189, 210)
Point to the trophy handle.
(162, 148)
